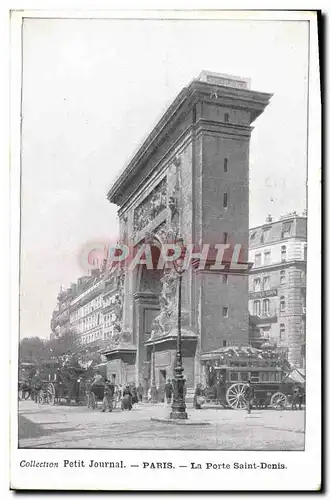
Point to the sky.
(92, 92)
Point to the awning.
(295, 376)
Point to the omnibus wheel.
(235, 396)
(278, 401)
(51, 394)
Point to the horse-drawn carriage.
(26, 371)
(229, 369)
(61, 383)
(95, 394)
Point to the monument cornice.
(226, 130)
(192, 337)
(252, 101)
(120, 349)
(146, 298)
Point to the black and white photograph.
(161, 177)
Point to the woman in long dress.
(127, 399)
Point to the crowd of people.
(113, 394)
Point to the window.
(282, 304)
(226, 117)
(286, 229)
(225, 279)
(283, 253)
(244, 376)
(267, 258)
(225, 238)
(266, 283)
(257, 308)
(257, 259)
(234, 376)
(281, 332)
(264, 376)
(266, 307)
(225, 200)
(255, 376)
(225, 164)
(252, 236)
(282, 277)
(257, 285)
(225, 312)
(264, 235)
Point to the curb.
(178, 422)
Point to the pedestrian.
(198, 398)
(140, 392)
(127, 399)
(300, 397)
(97, 379)
(249, 396)
(37, 385)
(107, 402)
(168, 391)
(134, 393)
(88, 392)
(295, 398)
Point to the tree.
(31, 349)
(64, 345)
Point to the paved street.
(79, 427)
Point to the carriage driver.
(97, 379)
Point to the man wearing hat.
(107, 402)
(249, 395)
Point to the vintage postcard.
(165, 246)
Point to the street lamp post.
(178, 405)
(153, 383)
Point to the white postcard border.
(303, 468)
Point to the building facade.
(190, 177)
(86, 317)
(277, 285)
(60, 321)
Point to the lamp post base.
(178, 415)
(178, 406)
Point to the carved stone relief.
(174, 194)
(124, 229)
(162, 231)
(151, 206)
(166, 321)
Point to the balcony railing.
(264, 317)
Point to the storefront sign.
(264, 294)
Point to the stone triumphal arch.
(189, 178)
